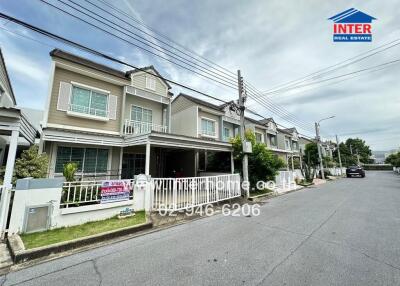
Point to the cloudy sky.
(271, 42)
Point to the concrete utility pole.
(321, 165)
(338, 151)
(242, 100)
(319, 144)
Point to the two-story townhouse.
(114, 123)
(271, 136)
(288, 145)
(191, 116)
(259, 129)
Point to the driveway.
(345, 232)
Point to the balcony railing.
(139, 127)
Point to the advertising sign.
(352, 25)
(115, 191)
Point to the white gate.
(182, 193)
(285, 180)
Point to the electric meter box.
(247, 148)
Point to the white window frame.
(229, 133)
(275, 139)
(143, 108)
(215, 127)
(85, 115)
(79, 174)
(150, 82)
(287, 142)
(262, 137)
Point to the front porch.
(175, 156)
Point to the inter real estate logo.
(352, 25)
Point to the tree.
(31, 164)
(359, 147)
(263, 163)
(393, 159)
(350, 149)
(311, 154)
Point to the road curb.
(19, 254)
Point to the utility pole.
(338, 151)
(321, 165)
(242, 100)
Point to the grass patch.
(257, 192)
(38, 239)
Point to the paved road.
(342, 233)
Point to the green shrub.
(31, 164)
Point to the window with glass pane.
(80, 101)
(287, 142)
(136, 113)
(99, 104)
(89, 160)
(258, 137)
(143, 118)
(273, 140)
(102, 160)
(63, 157)
(208, 127)
(77, 155)
(89, 102)
(226, 133)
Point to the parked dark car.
(355, 171)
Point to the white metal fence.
(285, 180)
(81, 193)
(337, 171)
(167, 193)
(139, 127)
(182, 193)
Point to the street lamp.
(321, 165)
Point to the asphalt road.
(342, 233)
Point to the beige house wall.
(156, 107)
(61, 118)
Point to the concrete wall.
(39, 192)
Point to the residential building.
(14, 128)
(203, 119)
(13, 119)
(288, 147)
(117, 124)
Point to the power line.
(336, 82)
(390, 44)
(97, 53)
(130, 42)
(278, 110)
(162, 35)
(286, 115)
(206, 62)
(144, 41)
(339, 76)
